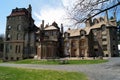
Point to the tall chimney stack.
(42, 25)
(62, 28)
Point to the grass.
(7, 73)
(57, 62)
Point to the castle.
(25, 40)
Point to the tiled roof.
(74, 32)
(51, 28)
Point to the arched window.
(19, 27)
(8, 37)
(18, 36)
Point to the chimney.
(62, 28)
(30, 9)
(107, 19)
(114, 15)
(115, 22)
(42, 25)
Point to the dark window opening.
(8, 37)
(104, 39)
(17, 58)
(7, 48)
(19, 49)
(11, 58)
(106, 55)
(113, 38)
(114, 49)
(6, 58)
(96, 50)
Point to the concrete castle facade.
(25, 40)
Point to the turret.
(30, 9)
(88, 22)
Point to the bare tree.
(1, 45)
(82, 8)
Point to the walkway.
(104, 71)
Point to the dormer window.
(66, 34)
(103, 27)
(95, 21)
(101, 19)
(82, 32)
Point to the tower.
(19, 35)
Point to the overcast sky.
(48, 10)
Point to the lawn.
(57, 62)
(7, 73)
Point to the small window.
(104, 39)
(9, 27)
(6, 58)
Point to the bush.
(63, 61)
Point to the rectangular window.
(105, 47)
(104, 39)
(7, 48)
(19, 49)
(96, 50)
